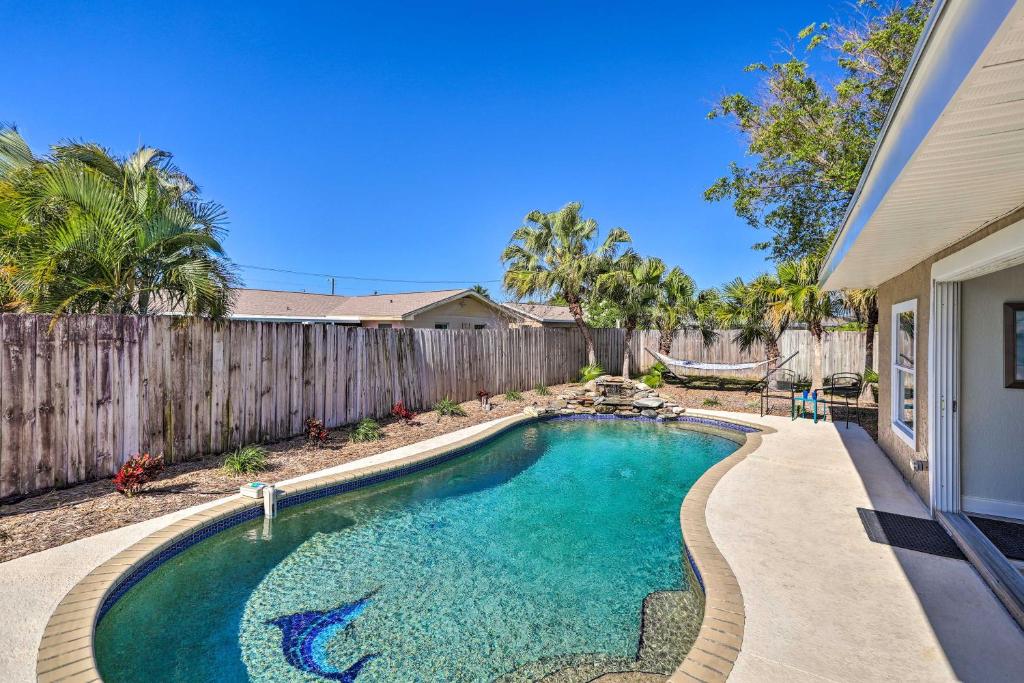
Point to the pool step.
(669, 626)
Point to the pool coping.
(66, 649)
(720, 639)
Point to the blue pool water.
(530, 556)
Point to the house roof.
(950, 158)
(542, 312)
(268, 303)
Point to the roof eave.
(921, 99)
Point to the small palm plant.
(447, 407)
(654, 377)
(590, 372)
(513, 396)
(246, 460)
(542, 390)
(367, 430)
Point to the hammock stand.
(676, 366)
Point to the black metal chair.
(842, 388)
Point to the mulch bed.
(66, 515)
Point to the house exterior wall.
(914, 283)
(467, 312)
(991, 416)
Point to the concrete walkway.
(825, 603)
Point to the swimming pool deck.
(821, 601)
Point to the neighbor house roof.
(950, 157)
(542, 312)
(274, 304)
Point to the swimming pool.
(552, 550)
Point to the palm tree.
(104, 234)
(742, 307)
(681, 307)
(796, 296)
(634, 283)
(557, 254)
(863, 303)
(481, 290)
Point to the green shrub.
(367, 430)
(542, 390)
(513, 396)
(655, 376)
(870, 377)
(447, 406)
(246, 460)
(711, 402)
(590, 372)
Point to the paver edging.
(66, 650)
(720, 639)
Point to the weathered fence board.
(80, 396)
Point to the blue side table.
(802, 400)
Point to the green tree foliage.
(481, 290)
(85, 231)
(794, 295)
(558, 254)
(680, 306)
(634, 283)
(809, 139)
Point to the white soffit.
(968, 168)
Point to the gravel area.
(62, 516)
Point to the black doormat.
(1007, 536)
(912, 533)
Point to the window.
(383, 326)
(479, 327)
(440, 326)
(904, 375)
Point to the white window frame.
(907, 433)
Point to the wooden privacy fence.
(78, 400)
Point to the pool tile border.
(66, 651)
(720, 639)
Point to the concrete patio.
(822, 602)
(825, 603)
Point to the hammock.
(697, 365)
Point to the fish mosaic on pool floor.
(304, 638)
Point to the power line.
(366, 279)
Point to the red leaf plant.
(136, 472)
(316, 432)
(400, 411)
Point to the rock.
(678, 410)
(566, 411)
(647, 412)
(617, 401)
(586, 411)
(648, 403)
(599, 400)
(667, 418)
(604, 410)
(590, 386)
(560, 403)
(625, 413)
(531, 411)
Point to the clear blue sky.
(407, 141)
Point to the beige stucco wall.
(991, 416)
(914, 283)
(464, 312)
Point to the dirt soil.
(65, 515)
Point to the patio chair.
(844, 389)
